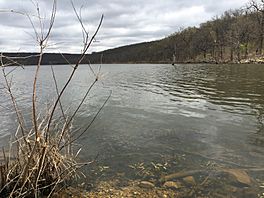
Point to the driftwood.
(240, 175)
(180, 175)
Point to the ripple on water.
(206, 108)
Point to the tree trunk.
(238, 55)
(261, 43)
(221, 52)
(231, 54)
(261, 34)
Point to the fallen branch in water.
(182, 174)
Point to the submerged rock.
(179, 175)
(146, 184)
(239, 176)
(189, 180)
(172, 185)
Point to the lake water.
(158, 113)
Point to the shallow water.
(158, 112)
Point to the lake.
(187, 115)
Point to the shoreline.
(30, 59)
(190, 186)
(168, 63)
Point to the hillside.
(235, 36)
(147, 52)
(32, 58)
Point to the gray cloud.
(126, 21)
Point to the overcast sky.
(126, 21)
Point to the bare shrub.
(41, 159)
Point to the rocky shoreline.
(235, 183)
(251, 60)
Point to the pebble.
(146, 184)
(172, 185)
(189, 180)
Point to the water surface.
(158, 111)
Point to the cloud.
(126, 21)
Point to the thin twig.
(72, 74)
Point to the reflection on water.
(160, 110)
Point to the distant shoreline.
(30, 59)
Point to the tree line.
(231, 37)
(235, 36)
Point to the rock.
(172, 185)
(240, 176)
(136, 193)
(146, 184)
(121, 174)
(179, 175)
(189, 180)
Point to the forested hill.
(147, 52)
(236, 36)
(32, 58)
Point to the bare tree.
(258, 12)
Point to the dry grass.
(38, 168)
